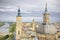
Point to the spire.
(46, 7)
(33, 20)
(19, 14)
(33, 25)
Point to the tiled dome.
(48, 29)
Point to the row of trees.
(11, 31)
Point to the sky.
(30, 9)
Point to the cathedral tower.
(18, 25)
(33, 25)
(46, 16)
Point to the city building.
(33, 31)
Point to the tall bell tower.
(46, 16)
(33, 25)
(18, 25)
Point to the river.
(5, 28)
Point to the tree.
(12, 28)
(7, 36)
(11, 31)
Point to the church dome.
(47, 29)
(50, 29)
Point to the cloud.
(31, 5)
(29, 8)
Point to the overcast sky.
(29, 9)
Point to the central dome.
(47, 29)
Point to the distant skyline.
(29, 9)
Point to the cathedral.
(33, 31)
